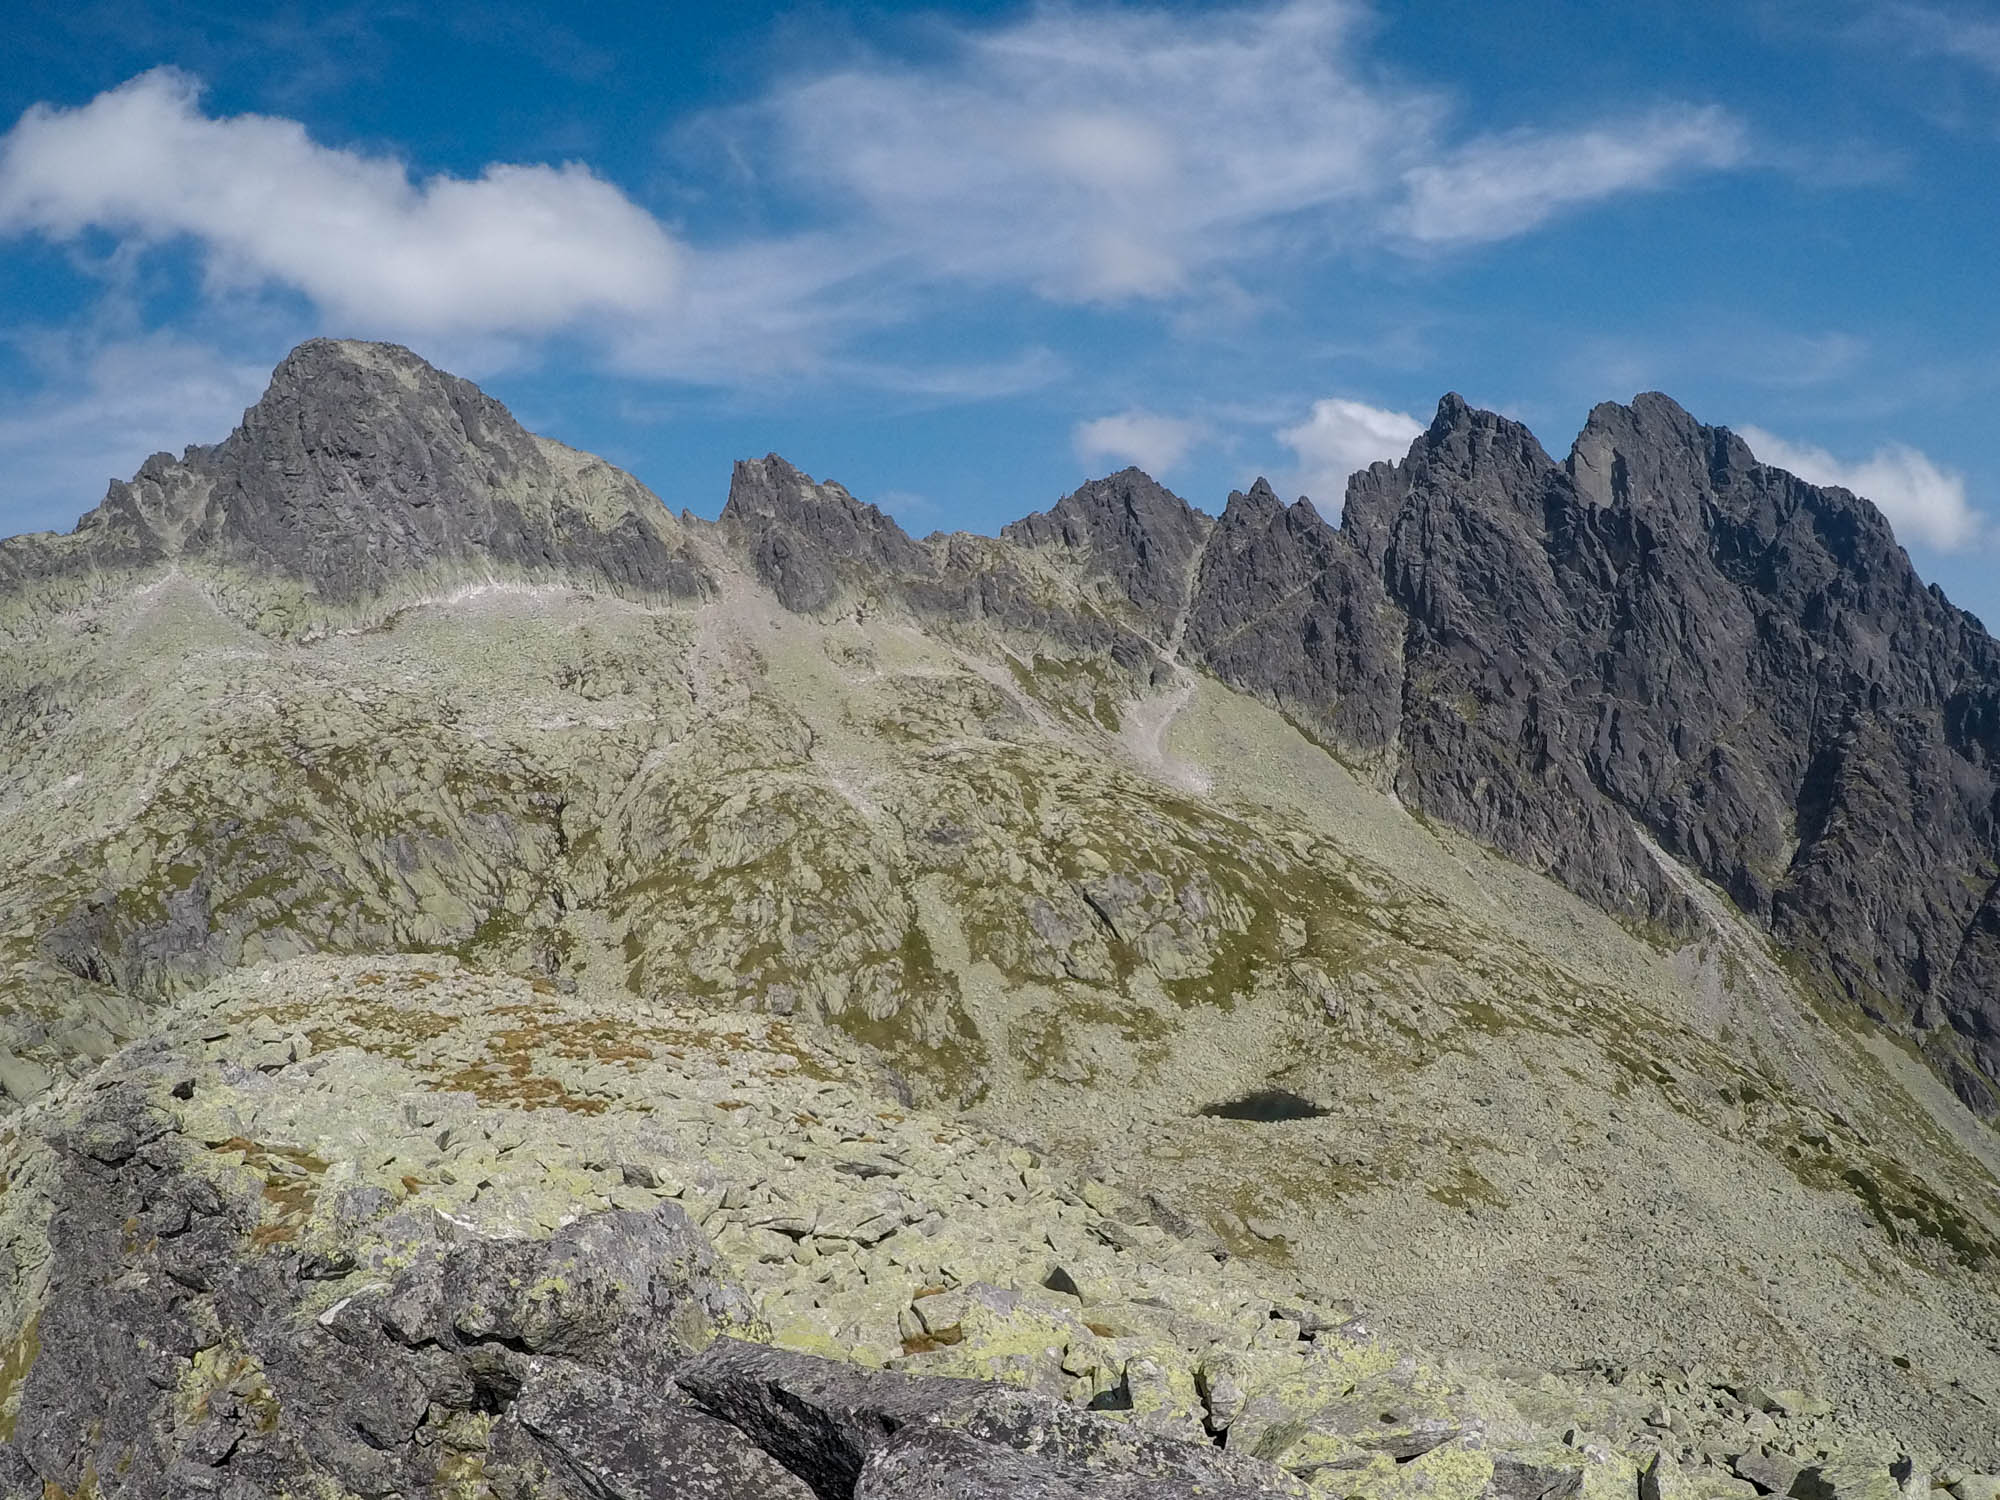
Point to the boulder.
(832, 1424)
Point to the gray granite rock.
(860, 1433)
(1657, 638)
(177, 1353)
(1131, 530)
(805, 537)
(579, 1433)
(361, 466)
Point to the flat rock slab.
(850, 1432)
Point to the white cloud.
(517, 250)
(1923, 502)
(1101, 154)
(1097, 154)
(1155, 443)
(1342, 437)
(1506, 185)
(1111, 154)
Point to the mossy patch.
(1466, 1188)
(225, 1367)
(1917, 1220)
(1079, 689)
(927, 1032)
(17, 1358)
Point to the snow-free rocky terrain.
(508, 991)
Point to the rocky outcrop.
(821, 551)
(806, 540)
(890, 1436)
(1131, 532)
(361, 467)
(182, 1344)
(1658, 641)
(1284, 607)
(1661, 634)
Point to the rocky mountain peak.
(805, 537)
(1651, 452)
(376, 419)
(1132, 530)
(771, 489)
(1255, 507)
(1129, 505)
(1468, 444)
(361, 467)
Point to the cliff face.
(1657, 641)
(1657, 638)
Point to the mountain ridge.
(1089, 960)
(1654, 639)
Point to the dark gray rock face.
(940, 1463)
(805, 538)
(1657, 636)
(819, 549)
(1515, 1480)
(578, 1433)
(1284, 607)
(362, 465)
(1130, 530)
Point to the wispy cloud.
(1108, 155)
(1096, 154)
(1155, 443)
(1924, 501)
(1340, 438)
(1507, 185)
(1076, 154)
(1938, 31)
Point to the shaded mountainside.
(1657, 640)
(1662, 635)
(1069, 958)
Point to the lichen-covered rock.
(853, 1432)
(180, 1331)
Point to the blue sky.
(961, 258)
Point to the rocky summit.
(507, 990)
